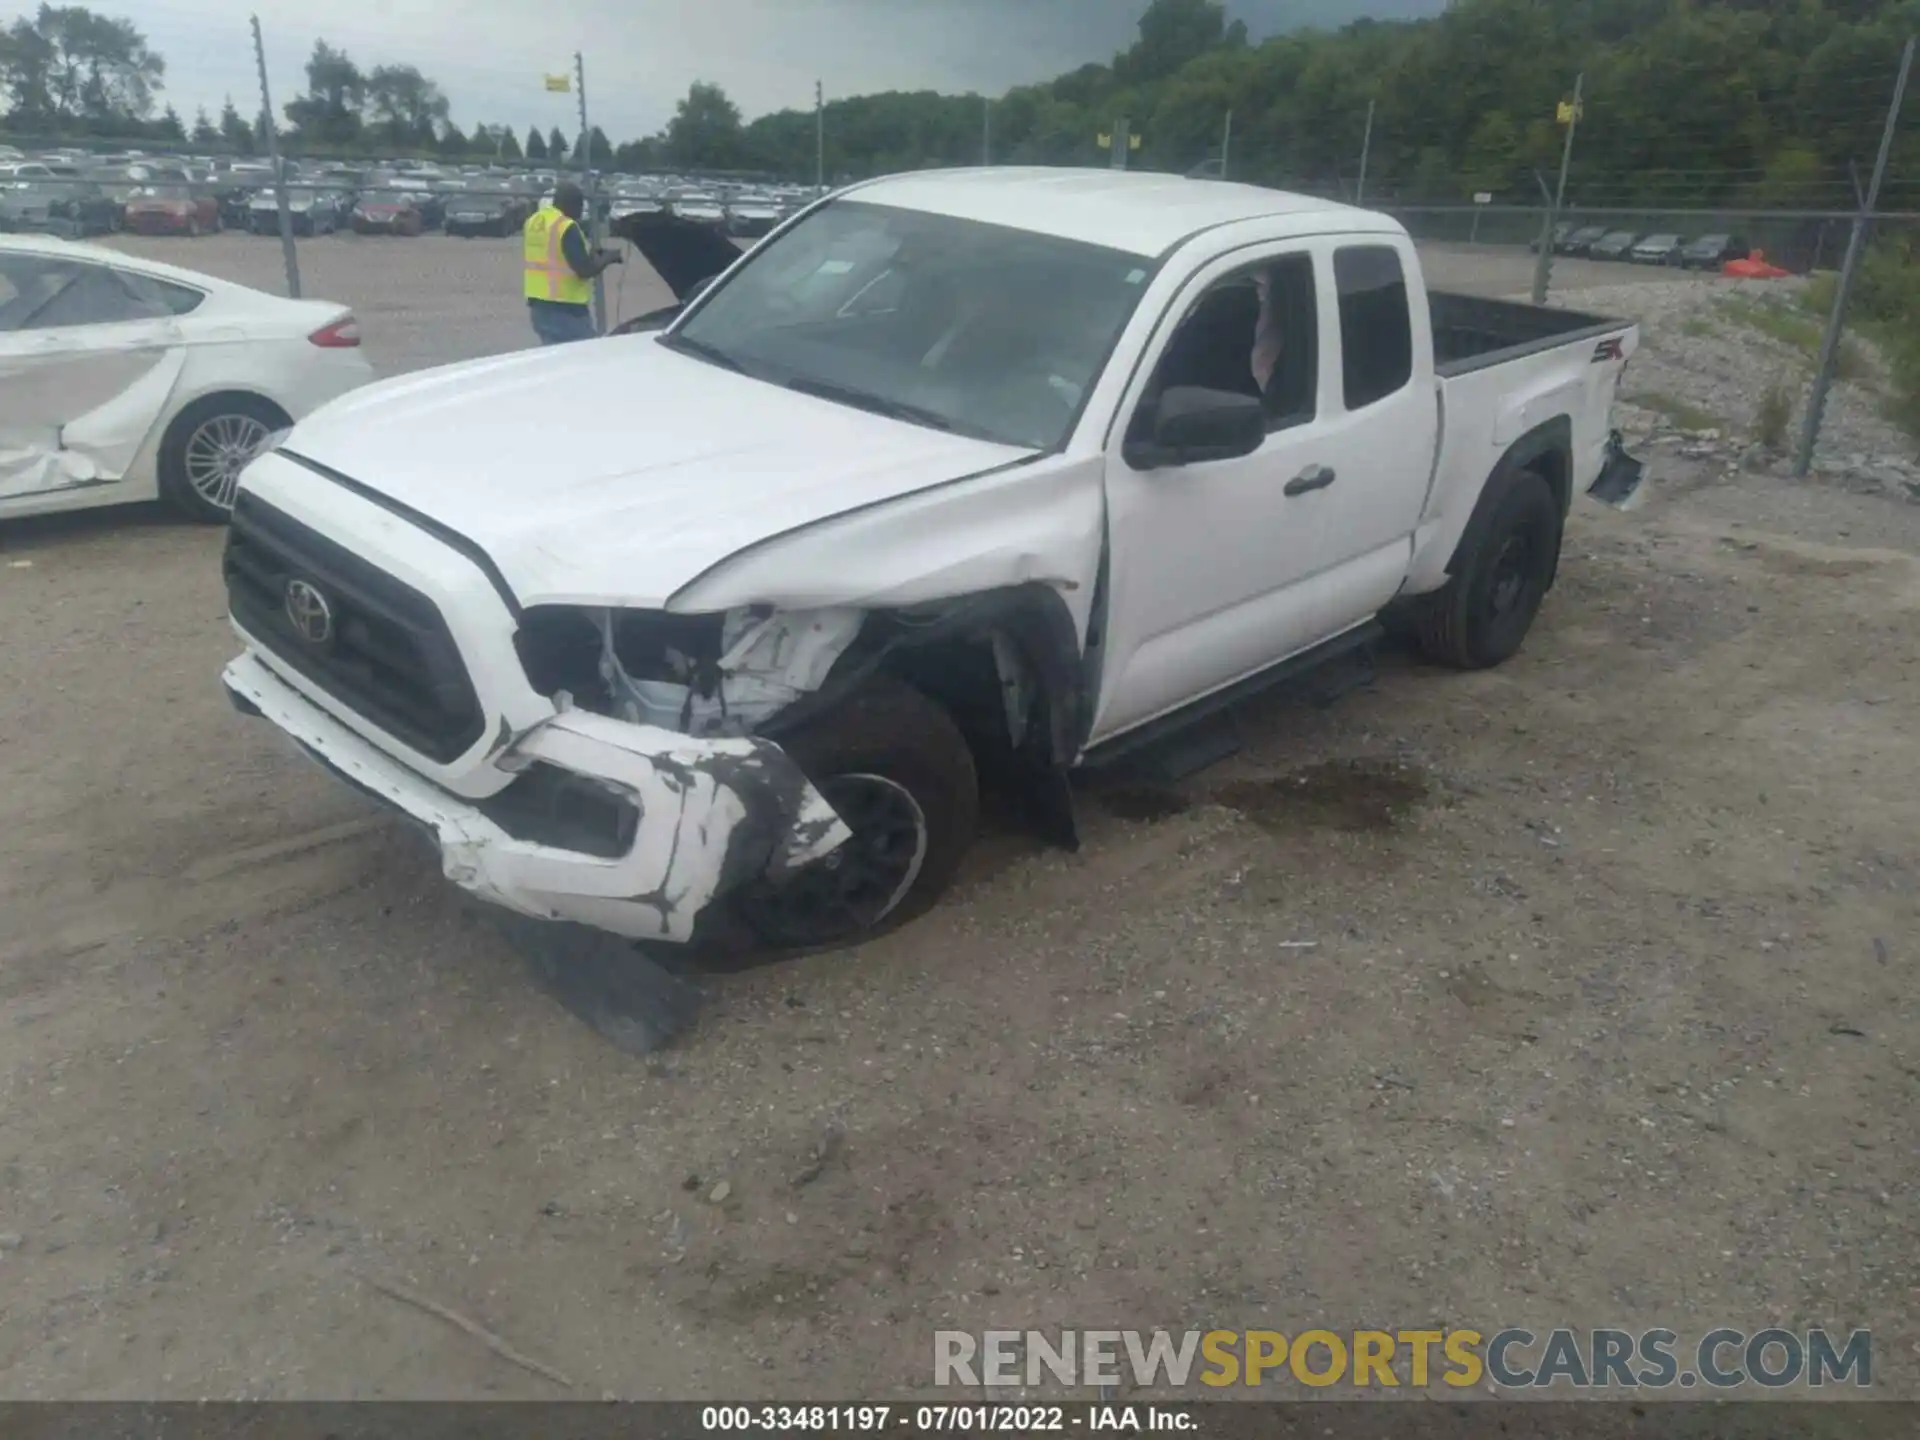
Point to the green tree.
(168, 127)
(556, 146)
(1174, 33)
(705, 131)
(235, 131)
(509, 145)
(404, 108)
(329, 113)
(69, 66)
(599, 148)
(203, 132)
(452, 140)
(536, 144)
(1493, 154)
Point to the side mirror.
(1192, 424)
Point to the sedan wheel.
(208, 446)
(218, 451)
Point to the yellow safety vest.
(548, 276)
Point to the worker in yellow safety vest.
(559, 268)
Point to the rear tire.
(900, 772)
(1505, 565)
(207, 446)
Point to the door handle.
(1314, 477)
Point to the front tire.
(897, 769)
(1506, 563)
(207, 446)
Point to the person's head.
(569, 200)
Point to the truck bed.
(1471, 332)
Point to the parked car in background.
(1580, 239)
(1560, 234)
(1613, 245)
(428, 201)
(387, 212)
(632, 200)
(701, 208)
(487, 207)
(72, 209)
(750, 214)
(1710, 252)
(124, 379)
(172, 210)
(1660, 249)
(313, 212)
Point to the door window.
(1254, 332)
(1376, 329)
(39, 292)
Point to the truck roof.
(1137, 211)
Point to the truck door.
(1218, 568)
(1381, 430)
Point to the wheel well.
(201, 404)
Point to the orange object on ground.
(1755, 267)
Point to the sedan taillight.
(342, 334)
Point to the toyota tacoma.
(956, 477)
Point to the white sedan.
(124, 379)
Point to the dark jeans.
(556, 326)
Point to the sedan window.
(51, 293)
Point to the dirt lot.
(1575, 993)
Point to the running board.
(1184, 742)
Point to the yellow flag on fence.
(1567, 112)
(1104, 140)
(1133, 142)
(560, 84)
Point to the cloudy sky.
(488, 55)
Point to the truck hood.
(615, 471)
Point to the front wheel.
(899, 773)
(1506, 562)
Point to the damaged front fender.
(711, 814)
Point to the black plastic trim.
(445, 534)
(1130, 741)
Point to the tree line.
(1684, 102)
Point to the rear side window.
(1376, 330)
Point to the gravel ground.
(1573, 993)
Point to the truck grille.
(352, 629)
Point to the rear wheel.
(897, 770)
(208, 445)
(1506, 562)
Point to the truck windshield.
(980, 329)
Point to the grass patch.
(1771, 417)
(1698, 328)
(1885, 309)
(1681, 414)
(1796, 327)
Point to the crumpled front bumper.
(712, 814)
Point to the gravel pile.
(1710, 351)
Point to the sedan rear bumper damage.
(689, 820)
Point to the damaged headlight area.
(708, 676)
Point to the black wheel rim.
(836, 899)
(1513, 584)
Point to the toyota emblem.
(309, 613)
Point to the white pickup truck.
(957, 476)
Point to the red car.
(172, 210)
(388, 212)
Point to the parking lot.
(1576, 992)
